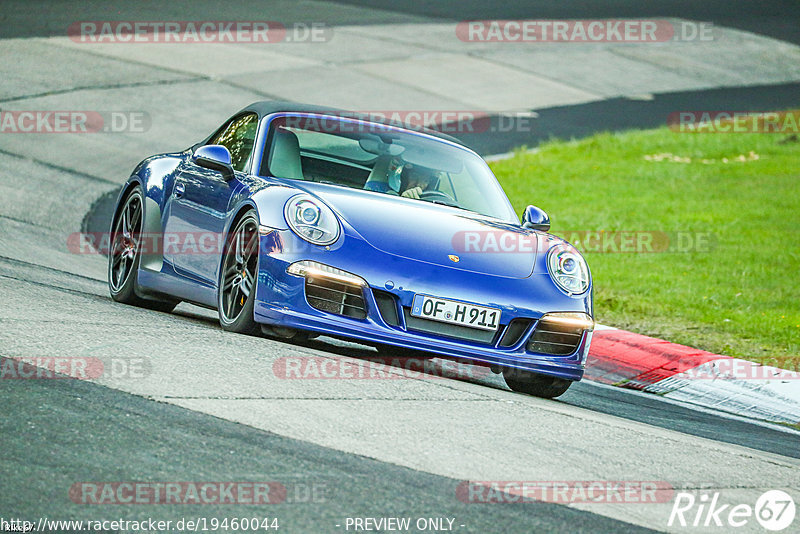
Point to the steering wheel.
(438, 196)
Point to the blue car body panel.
(386, 240)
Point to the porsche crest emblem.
(454, 258)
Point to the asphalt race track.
(189, 402)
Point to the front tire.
(237, 281)
(548, 387)
(124, 255)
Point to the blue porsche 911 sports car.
(295, 220)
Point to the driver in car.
(415, 180)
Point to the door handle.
(180, 189)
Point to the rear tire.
(236, 296)
(124, 255)
(548, 387)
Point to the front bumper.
(281, 300)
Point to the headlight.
(568, 269)
(315, 269)
(311, 220)
(577, 320)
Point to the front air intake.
(513, 334)
(334, 296)
(387, 305)
(555, 337)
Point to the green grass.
(742, 297)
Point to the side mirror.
(216, 158)
(535, 219)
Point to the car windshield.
(385, 160)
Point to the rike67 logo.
(774, 510)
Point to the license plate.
(454, 312)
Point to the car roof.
(267, 107)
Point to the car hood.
(432, 233)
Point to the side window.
(239, 138)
